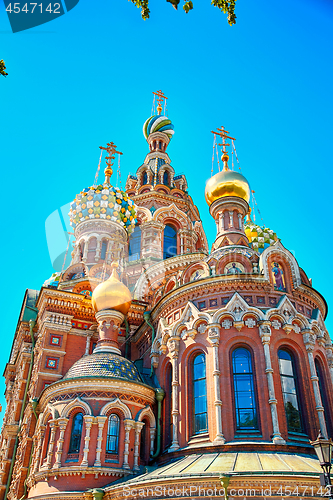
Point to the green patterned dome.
(104, 365)
(259, 237)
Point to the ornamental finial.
(222, 132)
(111, 149)
(160, 98)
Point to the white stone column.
(128, 426)
(174, 351)
(53, 428)
(214, 338)
(62, 422)
(101, 422)
(88, 420)
(231, 217)
(182, 244)
(240, 225)
(88, 340)
(309, 340)
(40, 439)
(85, 252)
(98, 249)
(137, 427)
(265, 335)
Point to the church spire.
(227, 194)
(112, 151)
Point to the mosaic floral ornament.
(53, 280)
(259, 237)
(103, 202)
(158, 123)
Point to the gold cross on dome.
(160, 98)
(111, 149)
(223, 133)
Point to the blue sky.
(85, 79)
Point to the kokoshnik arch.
(214, 367)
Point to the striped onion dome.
(158, 123)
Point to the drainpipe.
(146, 317)
(159, 397)
(33, 403)
(31, 327)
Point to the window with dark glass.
(143, 443)
(290, 392)
(145, 179)
(104, 249)
(134, 249)
(168, 406)
(169, 242)
(166, 178)
(74, 445)
(324, 397)
(113, 434)
(200, 422)
(245, 400)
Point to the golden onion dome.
(227, 183)
(112, 294)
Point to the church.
(157, 367)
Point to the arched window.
(245, 400)
(112, 437)
(143, 439)
(290, 391)
(74, 445)
(104, 249)
(145, 179)
(168, 406)
(134, 249)
(81, 250)
(169, 242)
(166, 178)
(324, 397)
(200, 422)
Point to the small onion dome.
(227, 183)
(112, 294)
(104, 365)
(103, 202)
(158, 123)
(259, 237)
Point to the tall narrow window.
(289, 390)
(199, 394)
(245, 400)
(143, 442)
(113, 434)
(324, 397)
(168, 406)
(169, 242)
(134, 250)
(74, 445)
(166, 178)
(104, 249)
(145, 179)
